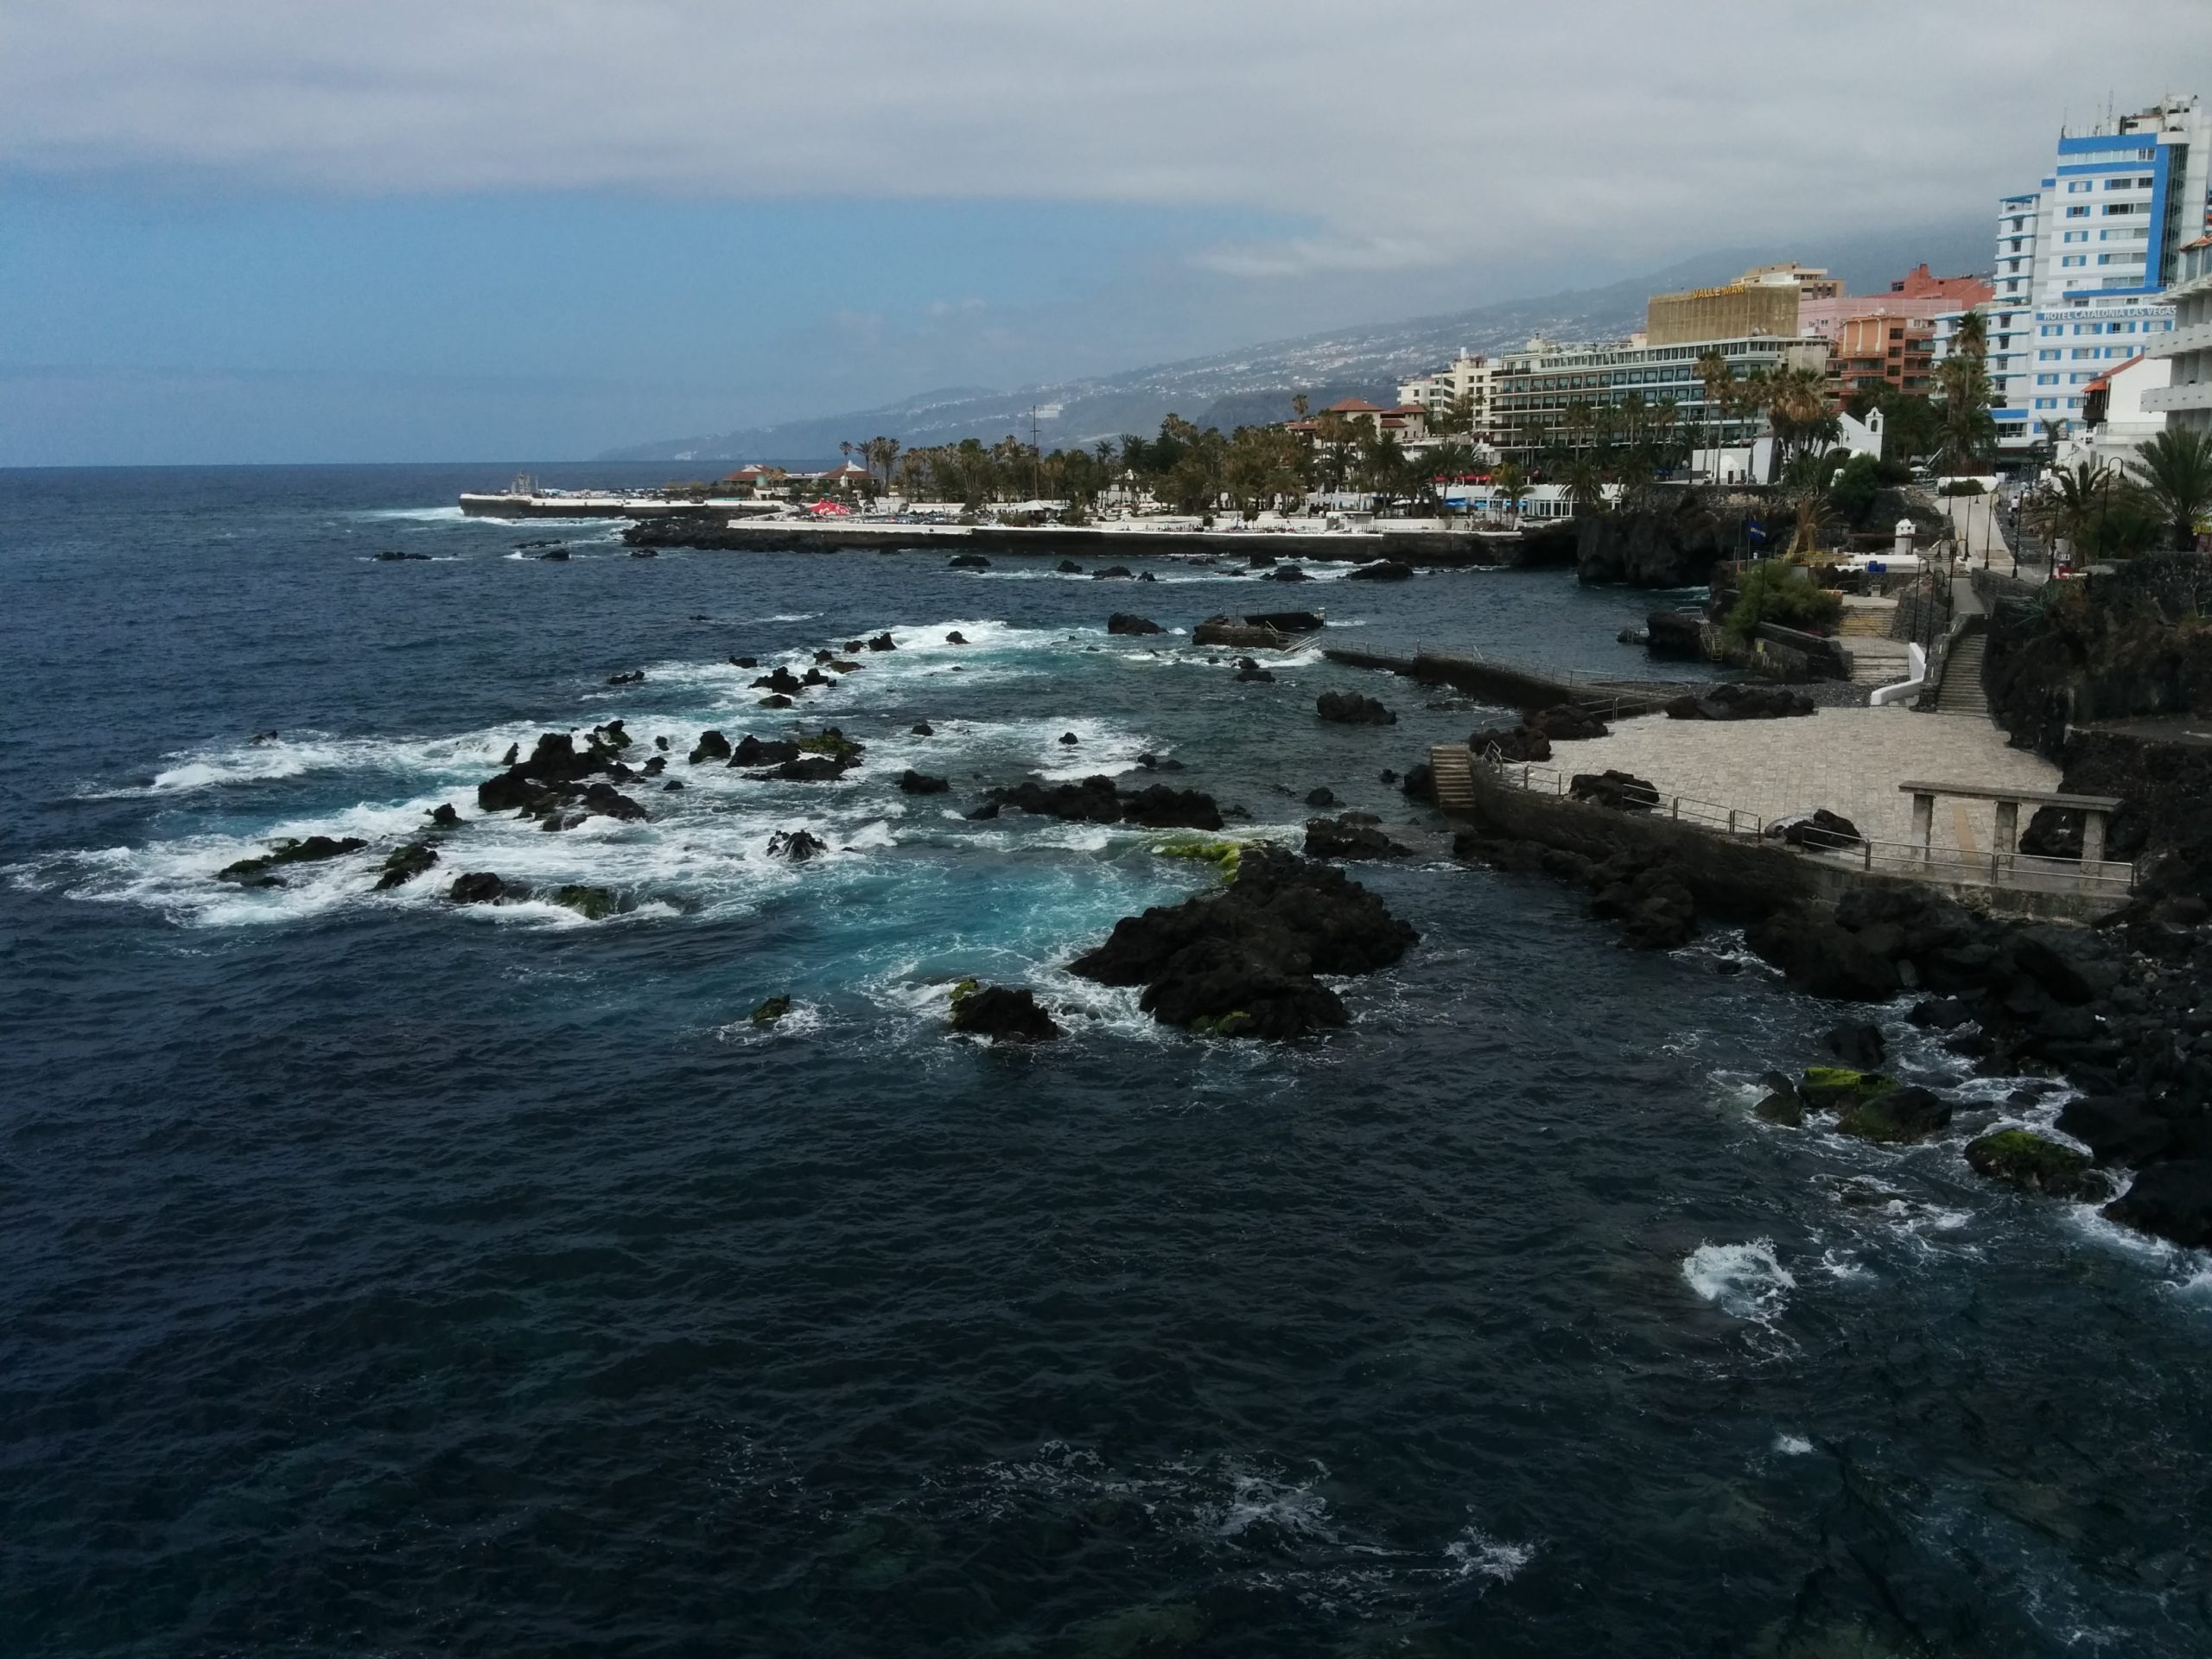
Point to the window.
(2075, 236)
(2047, 357)
(2046, 403)
(2113, 209)
(2050, 328)
(2075, 186)
(2077, 212)
(2081, 379)
(2046, 379)
(2080, 351)
(2073, 260)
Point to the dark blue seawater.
(378, 1277)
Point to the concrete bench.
(2097, 811)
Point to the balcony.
(2165, 399)
(2196, 337)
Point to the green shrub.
(1960, 487)
(1856, 486)
(1774, 591)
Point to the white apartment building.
(1468, 375)
(2186, 400)
(2084, 260)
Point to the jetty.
(1529, 690)
(661, 519)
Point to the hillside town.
(2042, 380)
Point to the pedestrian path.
(1849, 760)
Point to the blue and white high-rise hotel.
(2084, 262)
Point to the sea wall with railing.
(1732, 865)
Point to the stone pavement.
(1849, 760)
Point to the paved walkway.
(1849, 760)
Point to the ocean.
(387, 1277)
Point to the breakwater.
(1435, 549)
(1515, 686)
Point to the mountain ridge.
(1252, 383)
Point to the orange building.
(1884, 347)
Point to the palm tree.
(1796, 401)
(1510, 481)
(1586, 483)
(2176, 470)
(2073, 500)
(1448, 463)
(1580, 419)
(1712, 370)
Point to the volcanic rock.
(1350, 709)
(1565, 723)
(1129, 622)
(1242, 961)
(920, 783)
(1380, 570)
(711, 746)
(405, 863)
(1158, 807)
(1347, 838)
(795, 846)
(483, 887)
(1622, 791)
(1740, 701)
(1003, 1015)
(1514, 744)
(2035, 1164)
(289, 850)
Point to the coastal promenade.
(1849, 760)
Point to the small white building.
(2117, 418)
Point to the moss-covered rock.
(1838, 1088)
(593, 904)
(966, 988)
(2022, 1159)
(1895, 1116)
(1236, 1023)
(405, 863)
(1223, 855)
(833, 743)
(773, 1010)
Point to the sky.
(263, 231)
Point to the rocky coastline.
(2118, 1012)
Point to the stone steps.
(1452, 771)
(1961, 692)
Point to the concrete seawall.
(1525, 690)
(1735, 876)
(1439, 548)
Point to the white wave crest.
(1745, 1281)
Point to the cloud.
(1427, 132)
(1306, 256)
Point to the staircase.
(1961, 692)
(1451, 769)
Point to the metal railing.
(2023, 871)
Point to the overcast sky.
(415, 229)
